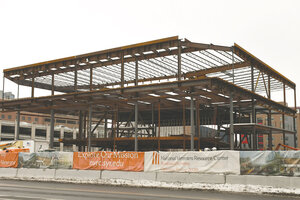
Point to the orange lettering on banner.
(104, 160)
(9, 159)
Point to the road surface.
(32, 190)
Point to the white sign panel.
(216, 162)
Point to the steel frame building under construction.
(135, 91)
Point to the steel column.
(232, 65)
(294, 118)
(91, 78)
(3, 92)
(51, 145)
(192, 123)
(253, 113)
(198, 123)
(105, 127)
(75, 78)
(152, 118)
(270, 144)
(90, 129)
(80, 130)
(183, 122)
(283, 115)
(18, 93)
(179, 61)
(136, 117)
(136, 72)
(32, 88)
(231, 131)
(52, 84)
(122, 70)
(158, 144)
(17, 135)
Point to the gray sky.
(35, 31)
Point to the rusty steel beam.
(245, 55)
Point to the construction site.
(166, 94)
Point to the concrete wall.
(95, 175)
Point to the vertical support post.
(61, 136)
(48, 134)
(33, 130)
(0, 130)
(32, 87)
(91, 78)
(192, 123)
(114, 128)
(283, 115)
(179, 61)
(105, 127)
(270, 142)
(90, 129)
(80, 135)
(51, 145)
(253, 113)
(3, 88)
(231, 132)
(17, 127)
(122, 70)
(158, 144)
(52, 85)
(136, 72)
(232, 64)
(18, 93)
(198, 123)
(295, 98)
(74, 138)
(294, 119)
(117, 120)
(3, 91)
(136, 117)
(183, 122)
(75, 78)
(152, 118)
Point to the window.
(47, 120)
(9, 116)
(71, 122)
(36, 119)
(60, 121)
(29, 118)
(2, 116)
(259, 120)
(23, 118)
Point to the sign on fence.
(104, 160)
(9, 159)
(217, 162)
(51, 160)
(281, 163)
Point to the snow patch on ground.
(258, 189)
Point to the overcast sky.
(34, 31)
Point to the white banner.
(216, 162)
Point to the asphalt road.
(25, 190)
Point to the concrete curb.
(159, 179)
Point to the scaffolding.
(159, 95)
